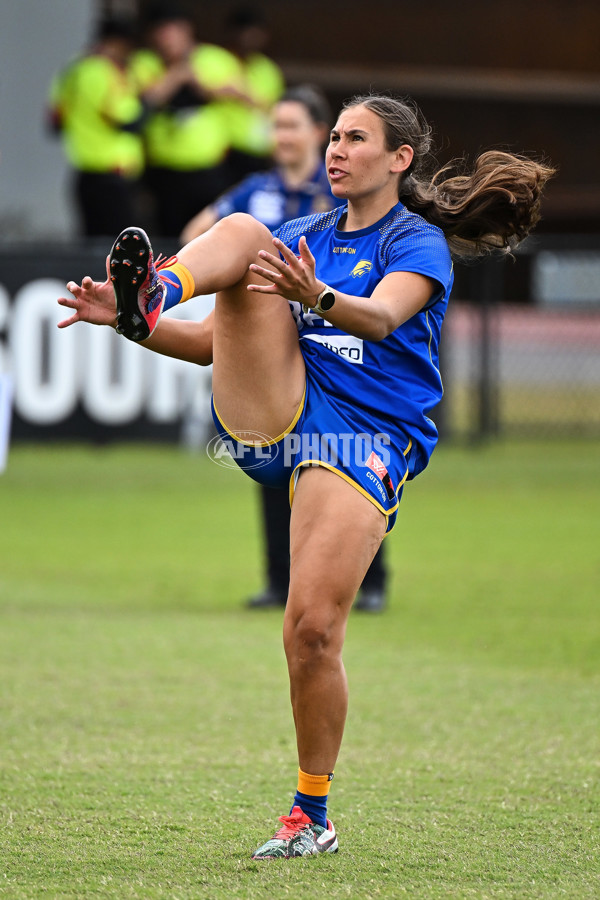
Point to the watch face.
(327, 300)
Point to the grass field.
(146, 744)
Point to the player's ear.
(402, 158)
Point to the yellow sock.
(176, 294)
(315, 785)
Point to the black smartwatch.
(324, 303)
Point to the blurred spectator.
(297, 185)
(185, 135)
(259, 82)
(276, 519)
(94, 107)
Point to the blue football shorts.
(330, 433)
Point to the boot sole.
(128, 266)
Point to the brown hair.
(312, 99)
(491, 206)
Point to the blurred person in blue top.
(296, 187)
(324, 342)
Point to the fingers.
(274, 261)
(287, 254)
(267, 288)
(305, 251)
(87, 285)
(263, 288)
(70, 303)
(289, 259)
(266, 273)
(290, 275)
(66, 322)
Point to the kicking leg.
(258, 370)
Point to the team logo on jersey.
(365, 265)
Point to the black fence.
(521, 343)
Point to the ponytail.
(492, 206)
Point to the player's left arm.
(397, 297)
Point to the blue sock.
(174, 292)
(179, 283)
(314, 807)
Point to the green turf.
(146, 743)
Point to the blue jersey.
(267, 197)
(392, 385)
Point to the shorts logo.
(365, 265)
(376, 465)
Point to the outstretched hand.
(292, 277)
(93, 301)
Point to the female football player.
(324, 343)
(295, 187)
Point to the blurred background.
(522, 338)
(125, 674)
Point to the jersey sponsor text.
(344, 345)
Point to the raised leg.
(258, 370)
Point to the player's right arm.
(190, 341)
(94, 302)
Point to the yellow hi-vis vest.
(194, 136)
(91, 100)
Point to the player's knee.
(245, 227)
(310, 635)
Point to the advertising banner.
(86, 382)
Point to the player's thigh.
(335, 532)
(258, 369)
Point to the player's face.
(297, 138)
(357, 159)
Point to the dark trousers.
(178, 196)
(106, 202)
(276, 518)
(239, 165)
